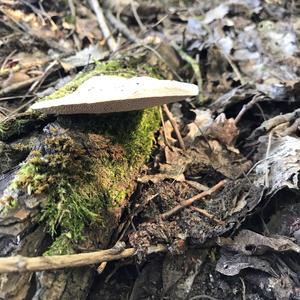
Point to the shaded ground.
(241, 242)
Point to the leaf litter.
(242, 240)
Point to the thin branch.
(190, 201)
(248, 106)
(162, 59)
(118, 24)
(175, 126)
(207, 214)
(164, 128)
(132, 37)
(19, 85)
(103, 26)
(233, 66)
(136, 16)
(41, 263)
(196, 68)
(7, 58)
(24, 27)
(267, 155)
(34, 87)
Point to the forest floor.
(226, 202)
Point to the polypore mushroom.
(105, 94)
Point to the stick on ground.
(103, 25)
(41, 263)
(175, 126)
(190, 201)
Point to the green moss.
(87, 168)
(18, 125)
(70, 19)
(9, 202)
(74, 209)
(3, 131)
(61, 246)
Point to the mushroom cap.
(106, 94)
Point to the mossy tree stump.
(77, 174)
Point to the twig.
(24, 27)
(103, 26)
(244, 288)
(164, 126)
(41, 263)
(190, 201)
(19, 85)
(102, 267)
(34, 87)
(267, 155)
(40, 13)
(233, 66)
(159, 21)
(7, 58)
(258, 162)
(208, 215)
(4, 111)
(196, 68)
(118, 24)
(162, 59)
(175, 126)
(72, 8)
(247, 106)
(136, 15)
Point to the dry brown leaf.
(224, 130)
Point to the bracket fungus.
(106, 94)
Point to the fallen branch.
(118, 24)
(23, 264)
(18, 85)
(190, 201)
(207, 214)
(103, 25)
(196, 68)
(175, 126)
(258, 97)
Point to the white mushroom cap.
(105, 94)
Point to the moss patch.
(86, 166)
(20, 125)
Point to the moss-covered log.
(68, 193)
